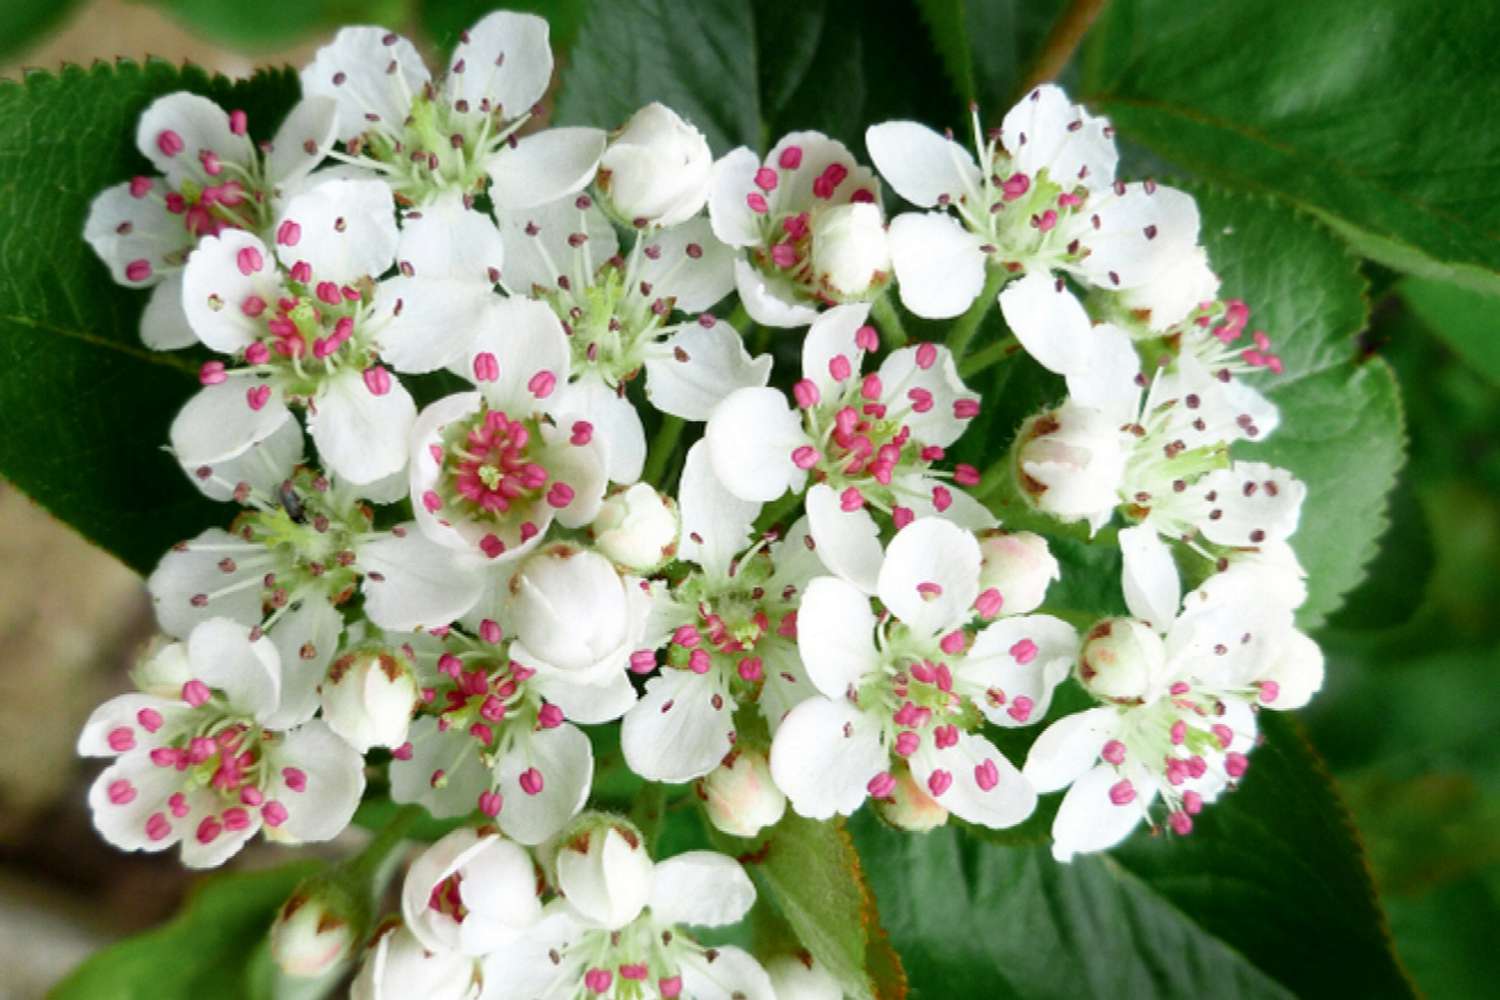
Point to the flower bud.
(469, 892)
(397, 965)
(1122, 660)
(1019, 566)
(1069, 463)
(571, 608)
(656, 170)
(909, 807)
(314, 931)
(368, 697)
(739, 795)
(801, 977)
(1185, 283)
(849, 250)
(603, 869)
(637, 528)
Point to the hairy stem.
(885, 314)
(966, 326)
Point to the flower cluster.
(811, 606)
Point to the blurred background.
(1407, 721)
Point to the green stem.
(889, 320)
(740, 318)
(362, 867)
(1062, 41)
(988, 356)
(966, 326)
(662, 447)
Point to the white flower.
(214, 178)
(1018, 566)
(801, 977)
(468, 892)
(197, 763)
(1041, 199)
(491, 469)
(427, 139)
(655, 171)
(398, 965)
(637, 528)
(732, 623)
(1179, 718)
(909, 690)
(300, 549)
(368, 697)
(310, 327)
(493, 733)
(619, 926)
(617, 309)
(739, 796)
(775, 211)
(869, 440)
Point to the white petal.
(1106, 377)
(335, 775)
(124, 711)
(1047, 131)
(221, 275)
(451, 754)
(305, 639)
(930, 577)
(795, 191)
(609, 883)
(1089, 820)
(580, 466)
(848, 542)
(229, 590)
(164, 323)
(355, 70)
(768, 303)
(1296, 666)
(526, 338)
(939, 266)
(1049, 648)
(716, 524)
(696, 368)
(507, 62)
(544, 166)
(1069, 747)
(537, 248)
(361, 436)
(127, 230)
(222, 655)
(520, 968)
(1179, 287)
(701, 889)
(836, 636)
(265, 466)
(1048, 321)
(1257, 503)
(197, 854)
(447, 240)
(824, 755)
(733, 975)
(348, 230)
(751, 437)
(199, 126)
(831, 335)
(921, 165)
(124, 824)
(1004, 804)
(787, 684)
(587, 703)
(1141, 233)
(696, 279)
(302, 141)
(900, 374)
(734, 178)
(420, 582)
(1153, 590)
(430, 322)
(617, 425)
(565, 760)
(676, 732)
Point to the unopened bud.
(637, 528)
(603, 869)
(739, 795)
(1069, 463)
(571, 608)
(909, 807)
(1019, 566)
(1123, 660)
(368, 697)
(801, 977)
(314, 931)
(397, 965)
(850, 253)
(656, 169)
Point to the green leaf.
(1463, 318)
(206, 950)
(1268, 897)
(747, 72)
(87, 405)
(271, 23)
(813, 873)
(444, 20)
(25, 22)
(1280, 97)
(985, 44)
